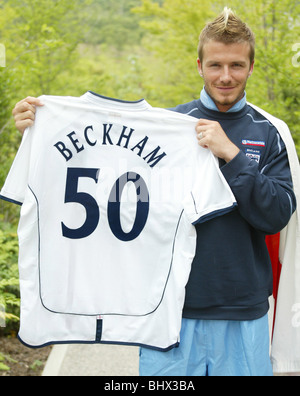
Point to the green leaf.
(3, 367)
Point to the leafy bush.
(9, 278)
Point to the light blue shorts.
(213, 348)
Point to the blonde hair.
(227, 28)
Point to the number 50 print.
(91, 206)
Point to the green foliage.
(9, 280)
(174, 29)
(41, 37)
(5, 359)
(112, 23)
(3, 366)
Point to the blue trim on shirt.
(11, 200)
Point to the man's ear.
(199, 64)
(251, 69)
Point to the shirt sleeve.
(210, 195)
(15, 186)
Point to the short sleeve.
(210, 195)
(15, 186)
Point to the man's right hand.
(24, 113)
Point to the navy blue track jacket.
(231, 277)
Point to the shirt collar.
(210, 104)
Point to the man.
(225, 326)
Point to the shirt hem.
(10, 200)
(236, 313)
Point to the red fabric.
(273, 242)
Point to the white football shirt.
(110, 191)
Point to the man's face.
(225, 69)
